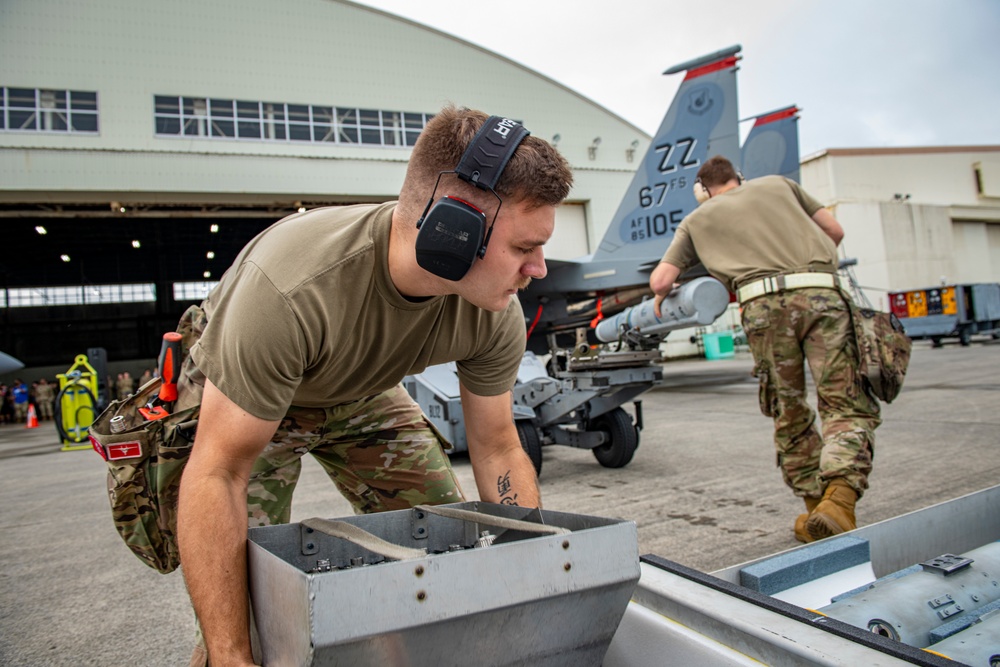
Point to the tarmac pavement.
(703, 489)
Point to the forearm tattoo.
(504, 490)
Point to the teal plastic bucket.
(718, 345)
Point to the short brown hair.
(536, 173)
(717, 171)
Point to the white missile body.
(697, 303)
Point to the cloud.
(885, 73)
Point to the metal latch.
(946, 564)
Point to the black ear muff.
(453, 232)
(450, 237)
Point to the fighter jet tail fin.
(702, 121)
(772, 147)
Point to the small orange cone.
(32, 418)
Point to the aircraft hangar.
(142, 144)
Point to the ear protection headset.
(452, 232)
(701, 193)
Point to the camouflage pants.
(812, 325)
(45, 409)
(380, 451)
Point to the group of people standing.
(125, 384)
(18, 398)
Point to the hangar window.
(221, 114)
(299, 122)
(78, 295)
(249, 117)
(322, 125)
(194, 117)
(347, 126)
(370, 123)
(168, 116)
(277, 121)
(195, 291)
(273, 121)
(41, 110)
(391, 124)
(413, 123)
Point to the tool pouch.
(883, 351)
(145, 462)
(766, 395)
(146, 458)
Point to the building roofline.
(511, 61)
(899, 150)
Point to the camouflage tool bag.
(145, 462)
(884, 351)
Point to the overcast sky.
(865, 73)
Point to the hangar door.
(569, 240)
(977, 251)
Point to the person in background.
(20, 398)
(126, 385)
(44, 397)
(775, 246)
(111, 390)
(6, 405)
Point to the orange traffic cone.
(32, 418)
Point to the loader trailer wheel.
(531, 442)
(965, 336)
(624, 439)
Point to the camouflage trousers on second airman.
(812, 325)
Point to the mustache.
(523, 284)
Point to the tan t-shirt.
(761, 228)
(308, 316)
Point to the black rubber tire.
(531, 442)
(964, 337)
(624, 439)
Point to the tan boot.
(800, 521)
(835, 513)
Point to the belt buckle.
(773, 284)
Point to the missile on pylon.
(697, 303)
